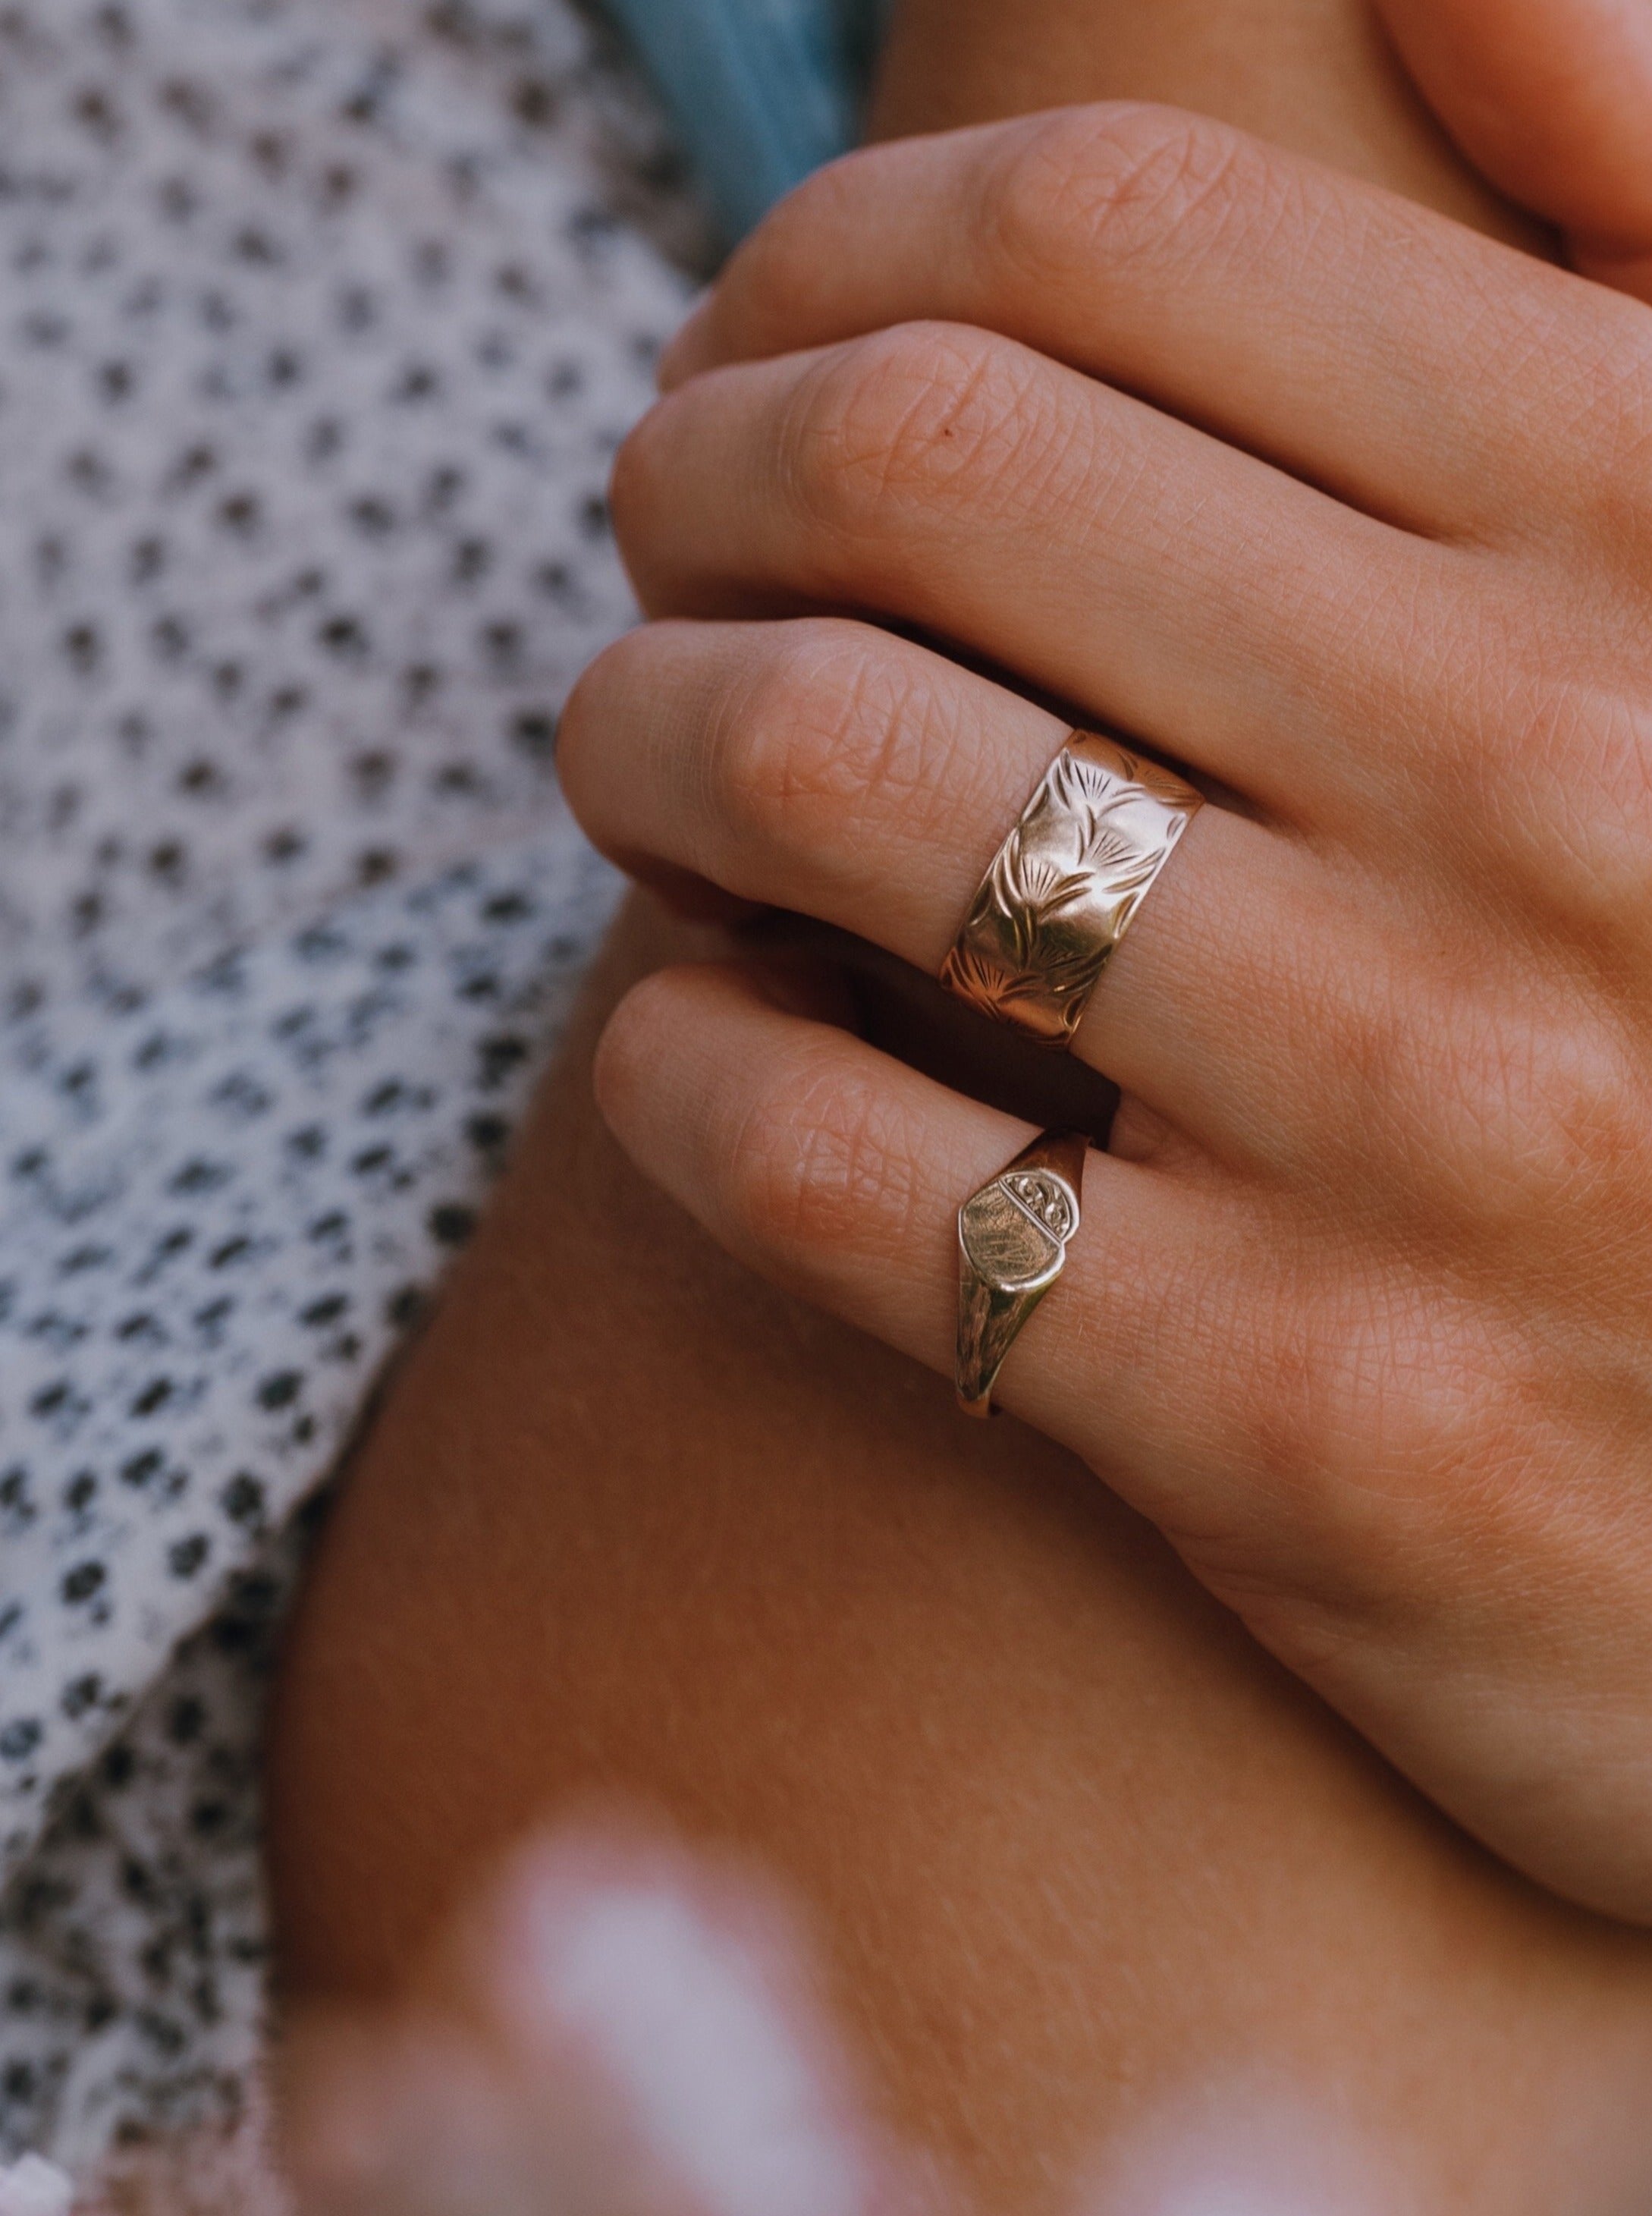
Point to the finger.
(825, 766)
(1204, 1353)
(1552, 99)
(1373, 347)
(1161, 581)
(837, 1173)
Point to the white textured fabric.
(316, 336)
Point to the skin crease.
(632, 1521)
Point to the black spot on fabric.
(498, 1056)
(83, 1581)
(487, 1133)
(242, 512)
(186, 1720)
(185, 1556)
(472, 559)
(16, 1504)
(82, 1695)
(83, 646)
(373, 516)
(406, 1306)
(536, 103)
(281, 1389)
(418, 381)
(345, 636)
(201, 1177)
(372, 773)
(243, 1499)
(534, 730)
(451, 1225)
(19, 1739)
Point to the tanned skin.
(631, 1523)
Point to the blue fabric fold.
(760, 91)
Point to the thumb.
(1552, 99)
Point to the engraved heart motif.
(1015, 1230)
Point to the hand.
(1361, 1310)
(1552, 99)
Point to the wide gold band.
(1012, 1246)
(1064, 886)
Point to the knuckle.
(1572, 1101)
(834, 738)
(825, 1165)
(785, 753)
(1118, 181)
(921, 415)
(636, 479)
(625, 1072)
(774, 273)
(589, 709)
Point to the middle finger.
(1164, 582)
(827, 768)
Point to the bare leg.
(632, 1523)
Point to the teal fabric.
(760, 91)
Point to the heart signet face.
(1015, 1230)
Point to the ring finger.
(826, 767)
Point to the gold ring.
(1012, 1246)
(1064, 886)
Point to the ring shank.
(1064, 886)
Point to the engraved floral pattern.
(1064, 884)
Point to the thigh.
(631, 1523)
